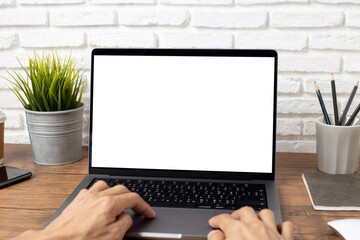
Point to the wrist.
(51, 234)
(30, 234)
(43, 234)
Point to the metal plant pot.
(55, 137)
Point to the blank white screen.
(183, 113)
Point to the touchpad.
(171, 223)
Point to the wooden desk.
(29, 204)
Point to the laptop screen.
(198, 113)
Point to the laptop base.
(175, 223)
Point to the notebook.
(192, 131)
(333, 191)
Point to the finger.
(133, 201)
(267, 216)
(99, 186)
(82, 193)
(117, 190)
(216, 235)
(223, 222)
(245, 214)
(286, 230)
(121, 225)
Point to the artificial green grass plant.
(51, 84)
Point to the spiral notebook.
(337, 192)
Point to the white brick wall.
(122, 39)
(197, 2)
(153, 17)
(23, 18)
(44, 2)
(279, 40)
(195, 40)
(352, 18)
(229, 19)
(6, 2)
(82, 18)
(313, 39)
(49, 39)
(306, 19)
(336, 41)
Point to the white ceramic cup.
(2, 124)
(337, 147)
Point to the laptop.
(192, 131)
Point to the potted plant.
(51, 94)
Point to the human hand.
(98, 213)
(244, 224)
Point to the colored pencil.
(323, 108)
(352, 118)
(333, 90)
(343, 116)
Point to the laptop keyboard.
(205, 195)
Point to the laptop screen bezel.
(183, 173)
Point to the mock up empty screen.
(183, 113)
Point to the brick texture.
(122, 39)
(153, 17)
(52, 39)
(352, 64)
(7, 40)
(309, 64)
(9, 100)
(352, 18)
(122, 1)
(289, 85)
(197, 2)
(253, 2)
(305, 19)
(82, 18)
(9, 59)
(4, 3)
(229, 19)
(45, 2)
(275, 40)
(180, 40)
(302, 105)
(343, 85)
(336, 41)
(23, 18)
(287, 127)
(14, 120)
(337, 1)
(309, 128)
(313, 38)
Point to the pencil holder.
(337, 147)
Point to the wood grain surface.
(29, 204)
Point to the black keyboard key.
(186, 194)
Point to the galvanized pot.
(55, 137)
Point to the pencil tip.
(316, 86)
(332, 76)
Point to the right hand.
(245, 224)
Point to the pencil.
(343, 116)
(333, 90)
(323, 108)
(352, 118)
